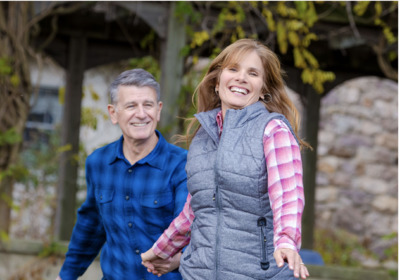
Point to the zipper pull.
(262, 223)
(214, 197)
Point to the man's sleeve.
(180, 187)
(87, 238)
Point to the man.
(135, 187)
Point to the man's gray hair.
(134, 77)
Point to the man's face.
(137, 112)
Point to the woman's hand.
(294, 261)
(159, 266)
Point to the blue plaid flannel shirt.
(126, 209)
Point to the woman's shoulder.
(274, 126)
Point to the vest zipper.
(217, 208)
(262, 223)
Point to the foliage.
(10, 136)
(290, 26)
(148, 63)
(337, 247)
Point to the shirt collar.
(155, 158)
(220, 122)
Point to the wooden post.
(68, 168)
(310, 125)
(171, 72)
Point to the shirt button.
(155, 201)
(101, 197)
(129, 224)
(127, 197)
(130, 170)
(137, 251)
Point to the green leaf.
(299, 61)
(308, 38)
(293, 38)
(282, 37)
(61, 95)
(360, 8)
(269, 19)
(10, 136)
(15, 81)
(312, 61)
(5, 67)
(301, 7)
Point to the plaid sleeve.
(285, 184)
(177, 235)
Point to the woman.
(244, 176)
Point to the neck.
(135, 150)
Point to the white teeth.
(139, 124)
(239, 90)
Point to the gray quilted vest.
(232, 233)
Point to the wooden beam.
(171, 72)
(68, 168)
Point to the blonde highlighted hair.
(274, 86)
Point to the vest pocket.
(262, 224)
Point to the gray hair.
(134, 77)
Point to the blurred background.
(58, 58)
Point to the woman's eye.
(253, 74)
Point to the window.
(43, 117)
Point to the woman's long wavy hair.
(279, 102)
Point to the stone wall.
(357, 161)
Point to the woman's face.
(241, 83)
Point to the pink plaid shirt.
(285, 189)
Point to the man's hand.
(294, 261)
(159, 266)
(58, 277)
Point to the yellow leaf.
(269, 19)
(299, 61)
(293, 38)
(282, 37)
(15, 80)
(61, 95)
(312, 61)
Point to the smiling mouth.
(140, 124)
(241, 91)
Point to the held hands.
(159, 266)
(294, 261)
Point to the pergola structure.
(98, 33)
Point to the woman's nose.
(241, 76)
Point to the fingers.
(148, 265)
(148, 255)
(303, 271)
(294, 261)
(278, 258)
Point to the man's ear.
(113, 114)
(160, 105)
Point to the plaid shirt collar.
(152, 159)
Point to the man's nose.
(140, 112)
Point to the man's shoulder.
(176, 150)
(109, 149)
